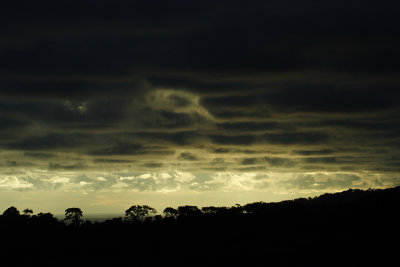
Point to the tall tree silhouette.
(73, 216)
(189, 211)
(44, 219)
(138, 212)
(11, 212)
(170, 212)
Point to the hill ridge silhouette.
(350, 228)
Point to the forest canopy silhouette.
(354, 227)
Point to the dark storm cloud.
(246, 151)
(105, 160)
(224, 150)
(221, 150)
(249, 126)
(227, 113)
(241, 101)
(120, 149)
(126, 148)
(56, 166)
(130, 149)
(279, 162)
(51, 141)
(310, 98)
(92, 114)
(383, 122)
(62, 89)
(328, 99)
(233, 140)
(164, 119)
(237, 106)
(39, 155)
(187, 156)
(13, 163)
(313, 152)
(114, 38)
(256, 80)
(153, 165)
(251, 169)
(8, 123)
(249, 161)
(296, 138)
(155, 39)
(271, 161)
(180, 138)
(324, 160)
(45, 111)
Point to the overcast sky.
(108, 104)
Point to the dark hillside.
(351, 228)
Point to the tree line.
(352, 200)
(349, 228)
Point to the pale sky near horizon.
(116, 103)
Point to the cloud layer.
(200, 96)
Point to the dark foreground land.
(351, 228)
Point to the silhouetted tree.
(188, 211)
(44, 218)
(237, 209)
(170, 212)
(138, 212)
(214, 210)
(73, 216)
(255, 208)
(157, 218)
(11, 212)
(27, 212)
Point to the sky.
(108, 104)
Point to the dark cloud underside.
(199, 95)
